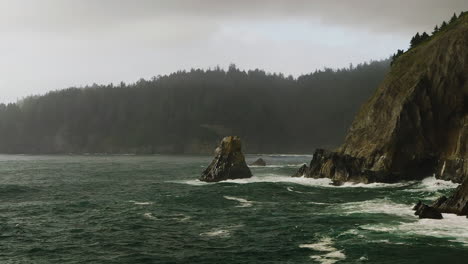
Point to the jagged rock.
(259, 162)
(303, 170)
(417, 206)
(416, 123)
(437, 203)
(228, 163)
(425, 211)
(452, 169)
(457, 203)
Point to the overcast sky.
(52, 44)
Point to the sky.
(54, 44)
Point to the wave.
(149, 216)
(432, 184)
(322, 182)
(217, 233)
(223, 232)
(140, 203)
(326, 244)
(451, 227)
(275, 178)
(243, 202)
(377, 206)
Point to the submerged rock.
(228, 163)
(259, 162)
(416, 123)
(425, 211)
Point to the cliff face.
(415, 124)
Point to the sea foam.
(331, 254)
(243, 202)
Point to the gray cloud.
(52, 44)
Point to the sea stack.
(416, 123)
(259, 162)
(228, 163)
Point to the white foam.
(332, 254)
(192, 182)
(141, 203)
(432, 184)
(243, 202)
(275, 178)
(377, 206)
(149, 216)
(217, 233)
(222, 232)
(452, 227)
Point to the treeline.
(188, 112)
(420, 38)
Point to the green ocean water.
(151, 209)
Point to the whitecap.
(433, 184)
(192, 182)
(217, 233)
(222, 232)
(452, 227)
(140, 203)
(149, 216)
(376, 206)
(243, 202)
(332, 254)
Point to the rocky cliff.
(228, 163)
(415, 124)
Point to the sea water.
(152, 209)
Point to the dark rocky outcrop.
(228, 163)
(303, 170)
(425, 211)
(259, 162)
(416, 123)
(455, 204)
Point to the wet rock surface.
(228, 163)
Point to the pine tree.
(415, 40)
(436, 29)
(443, 26)
(424, 36)
(454, 18)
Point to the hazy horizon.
(50, 45)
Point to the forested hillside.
(188, 112)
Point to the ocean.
(152, 209)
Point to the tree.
(415, 40)
(436, 29)
(443, 26)
(396, 55)
(454, 18)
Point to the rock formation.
(228, 163)
(425, 211)
(259, 162)
(457, 203)
(416, 123)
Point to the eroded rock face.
(228, 163)
(416, 124)
(455, 204)
(259, 162)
